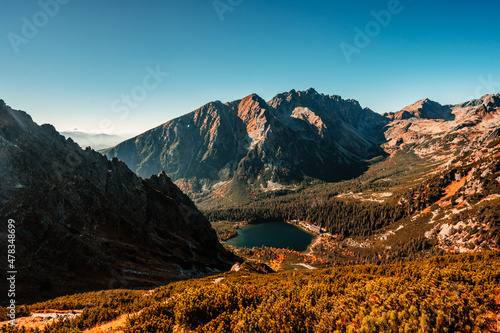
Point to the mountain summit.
(423, 109)
(293, 137)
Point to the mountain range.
(426, 120)
(389, 186)
(396, 186)
(295, 137)
(226, 150)
(93, 140)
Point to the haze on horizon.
(73, 64)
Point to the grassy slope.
(398, 172)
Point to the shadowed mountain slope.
(84, 222)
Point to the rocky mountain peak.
(251, 106)
(485, 110)
(423, 104)
(425, 101)
(13, 122)
(205, 115)
(484, 100)
(213, 106)
(251, 110)
(308, 92)
(491, 100)
(293, 136)
(422, 109)
(286, 97)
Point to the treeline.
(338, 217)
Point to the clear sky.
(72, 64)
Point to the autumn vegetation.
(455, 293)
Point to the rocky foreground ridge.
(85, 222)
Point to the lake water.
(272, 234)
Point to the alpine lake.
(272, 234)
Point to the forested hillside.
(404, 207)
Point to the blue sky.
(75, 69)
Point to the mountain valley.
(396, 193)
(414, 183)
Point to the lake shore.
(227, 230)
(308, 227)
(316, 241)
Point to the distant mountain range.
(428, 127)
(84, 222)
(93, 140)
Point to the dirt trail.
(117, 325)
